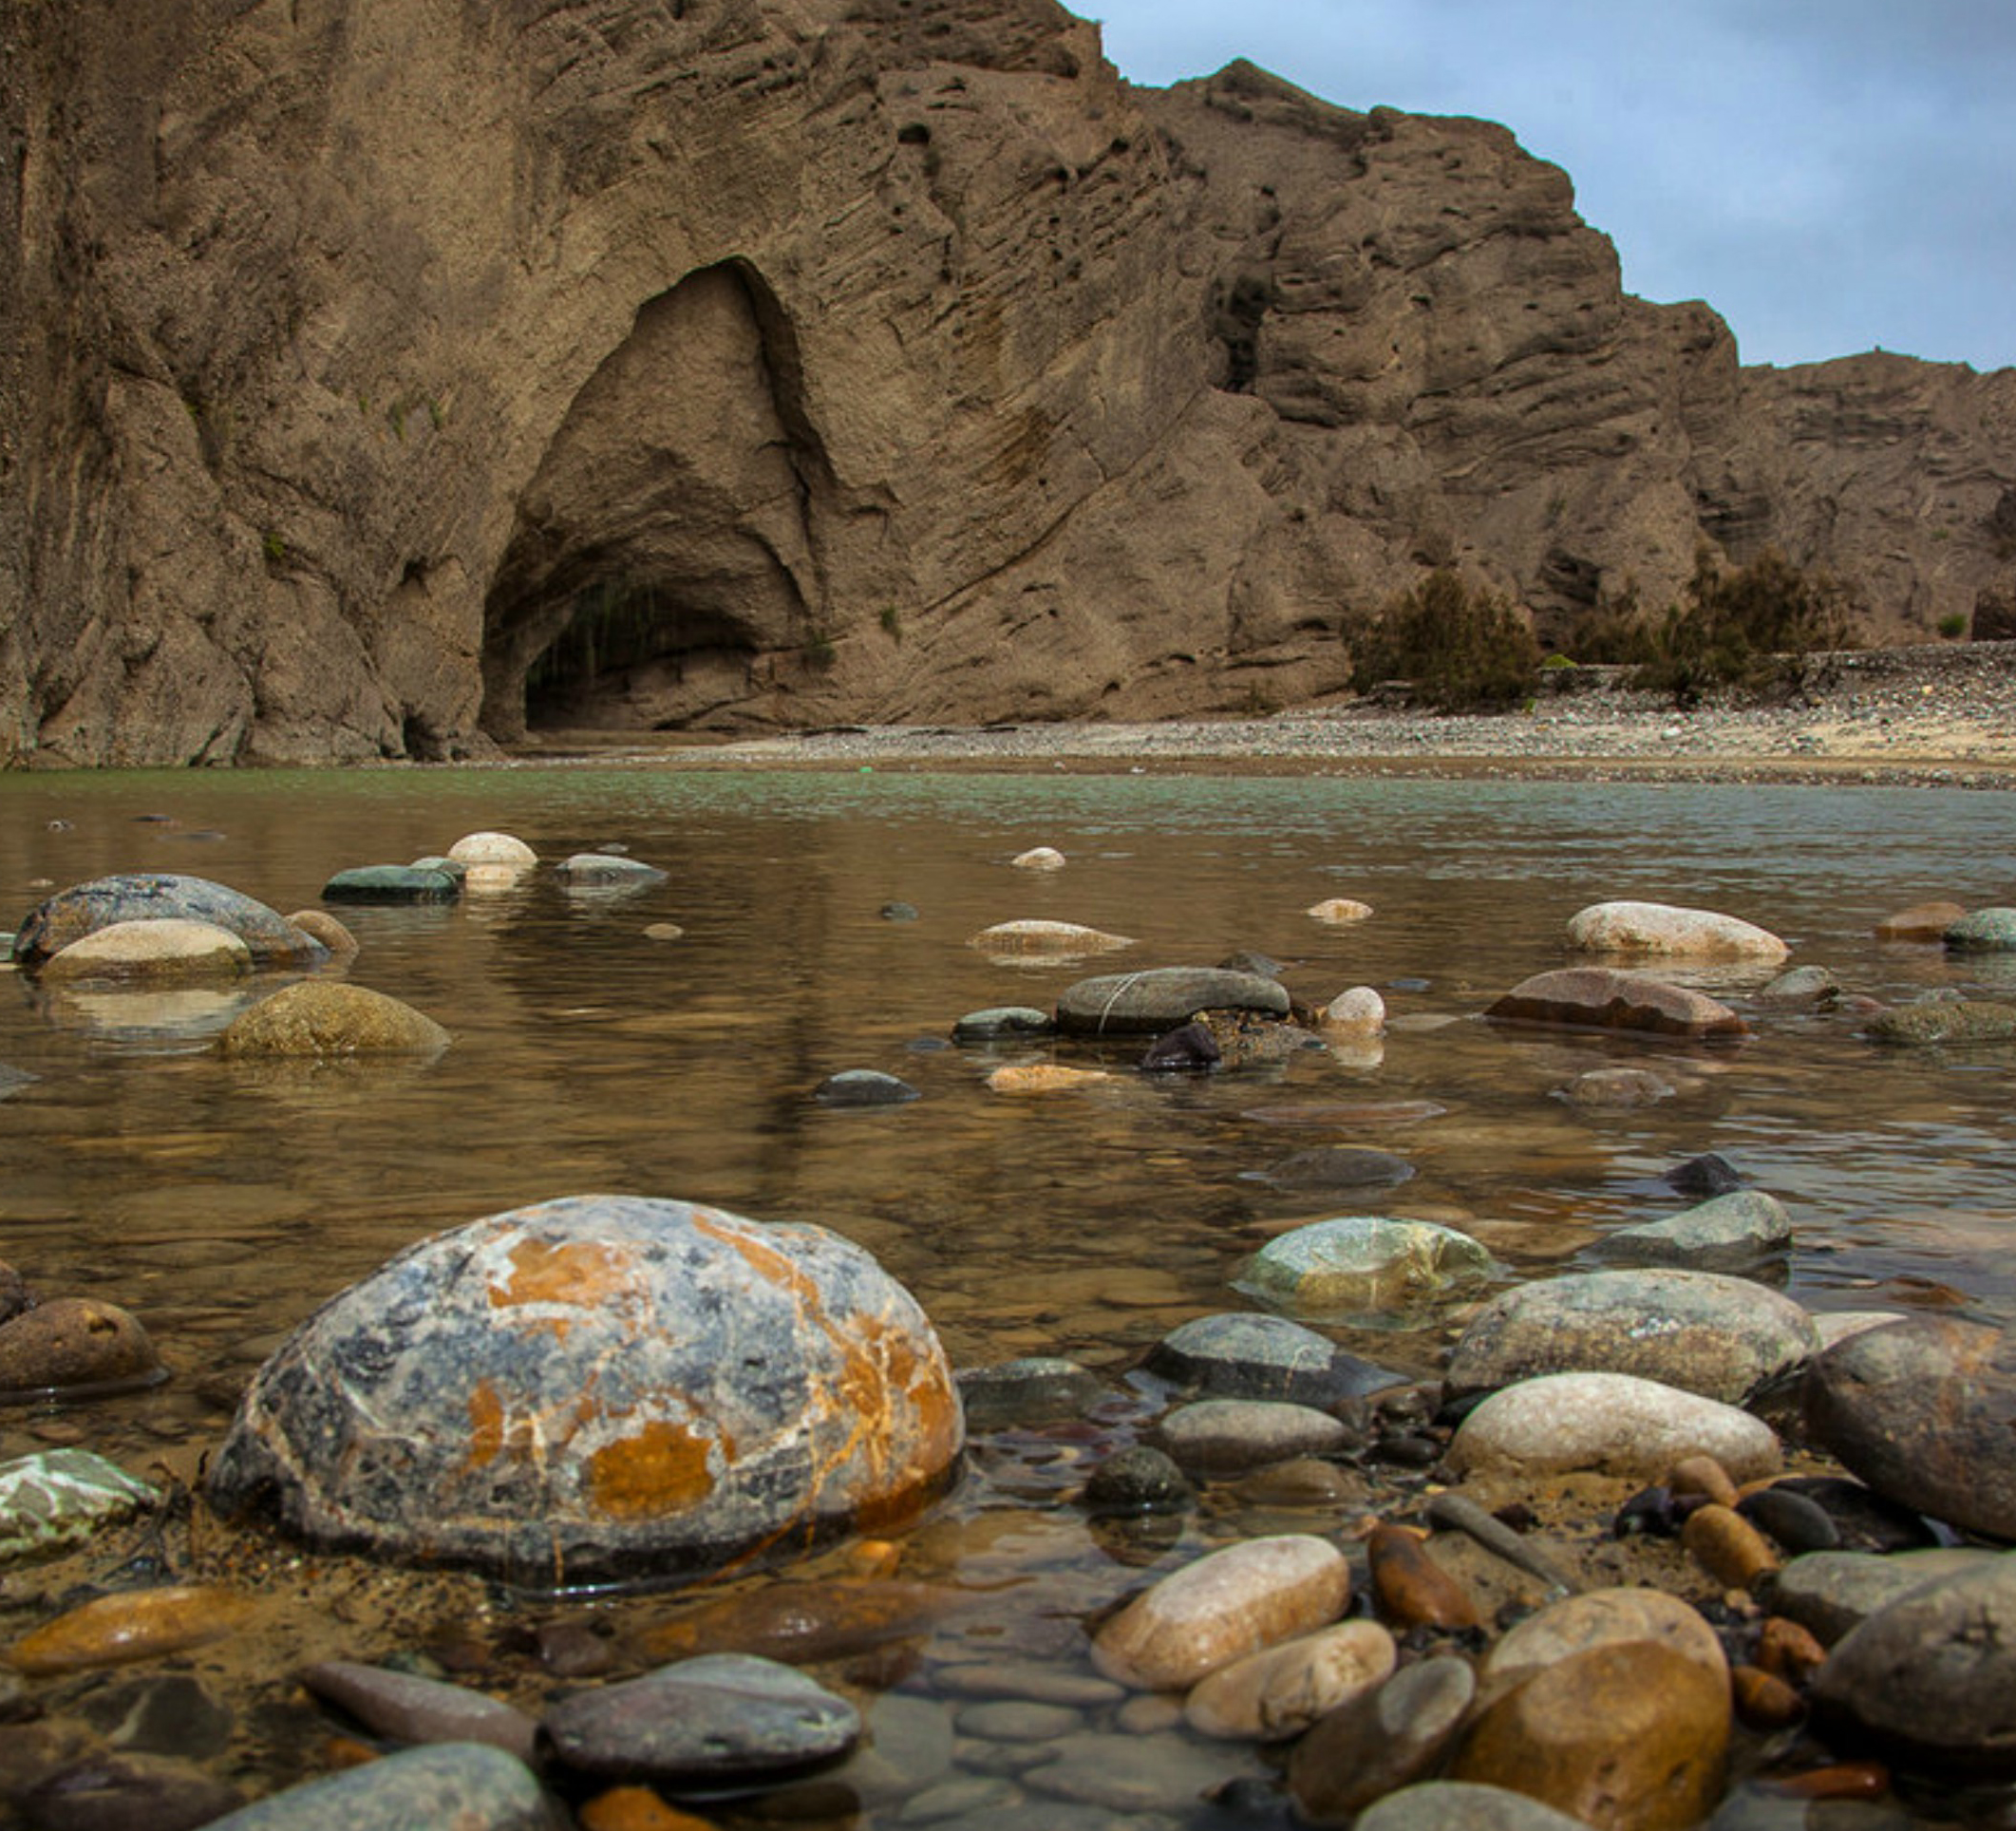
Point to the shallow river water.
(223, 1202)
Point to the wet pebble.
(1461, 1805)
(1743, 1229)
(720, 1717)
(1611, 1422)
(1363, 1265)
(1030, 1680)
(1672, 932)
(76, 1342)
(466, 1784)
(1231, 1436)
(1927, 1677)
(1609, 1618)
(163, 1713)
(392, 883)
(1189, 1048)
(1409, 1588)
(1227, 1604)
(1795, 1524)
(58, 1497)
(127, 1791)
(1330, 1168)
(1043, 1077)
(135, 1624)
(1631, 1736)
(407, 1708)
(330, 1018)
(1278, 1692)
(1240, 1355)
(863, 1088)
(1765, 1700)
(1618, 1089)
(1380, 1741)
(1017, 1720)
(1602, 998)
(1832, 1593)
(1128, 1773)
(1038, 857)
(1033, 1389)
(1728, 1547)
(1788, 1650)
(607, 870)
(999, 1023)
(1922, 922)
(1139, 1479)
(1719, 1337)
(1338, 910)
(1920, 1410)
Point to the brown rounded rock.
(328, 1017)
(1603, 998)
(1924, 1411)
(597, 1386)
(140, 1624)
(1921, 922)
(1277, 1692)
(1765, 1700)
(1705, 1476)
(1228, 1604)
(1788, 1650)
(1627, 1737)
(1410, 1587)
(75, 1342)
(1729, 1547)
(1603, 1619)
(1381, 1741)
(321, 926)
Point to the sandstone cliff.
(376, 375)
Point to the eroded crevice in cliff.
(667, 544)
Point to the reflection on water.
(668, 1041)
(222, 1201)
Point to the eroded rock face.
(891, 362)
(598, 1387)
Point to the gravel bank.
(1943, 715)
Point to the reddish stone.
(1603, 998)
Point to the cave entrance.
(664, 545)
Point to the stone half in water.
(601, 1389)
(145, 897)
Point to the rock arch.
(668, 541)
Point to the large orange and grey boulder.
(600, 1388)
(158, 895)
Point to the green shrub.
(1952, 626)
(1751, 627)
(1457, 649)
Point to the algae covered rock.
(324, 1017)
(600, 1388)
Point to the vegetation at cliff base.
(1457, 649)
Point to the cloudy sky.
(1832, 175)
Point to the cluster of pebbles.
(1653, 1547)
(1943, 714)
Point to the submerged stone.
(1362, 1266)
(721, 1718)
(1240, 1355)
(145, 897)
(61, 1497)
(1983, 931)
(607, 870)
(329, 1018)
(392, 883)
(468, 1785)
(1944, 1020)
(1002, 1023)
(600, 1388)
(863, 1088)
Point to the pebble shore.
(1942, 715)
